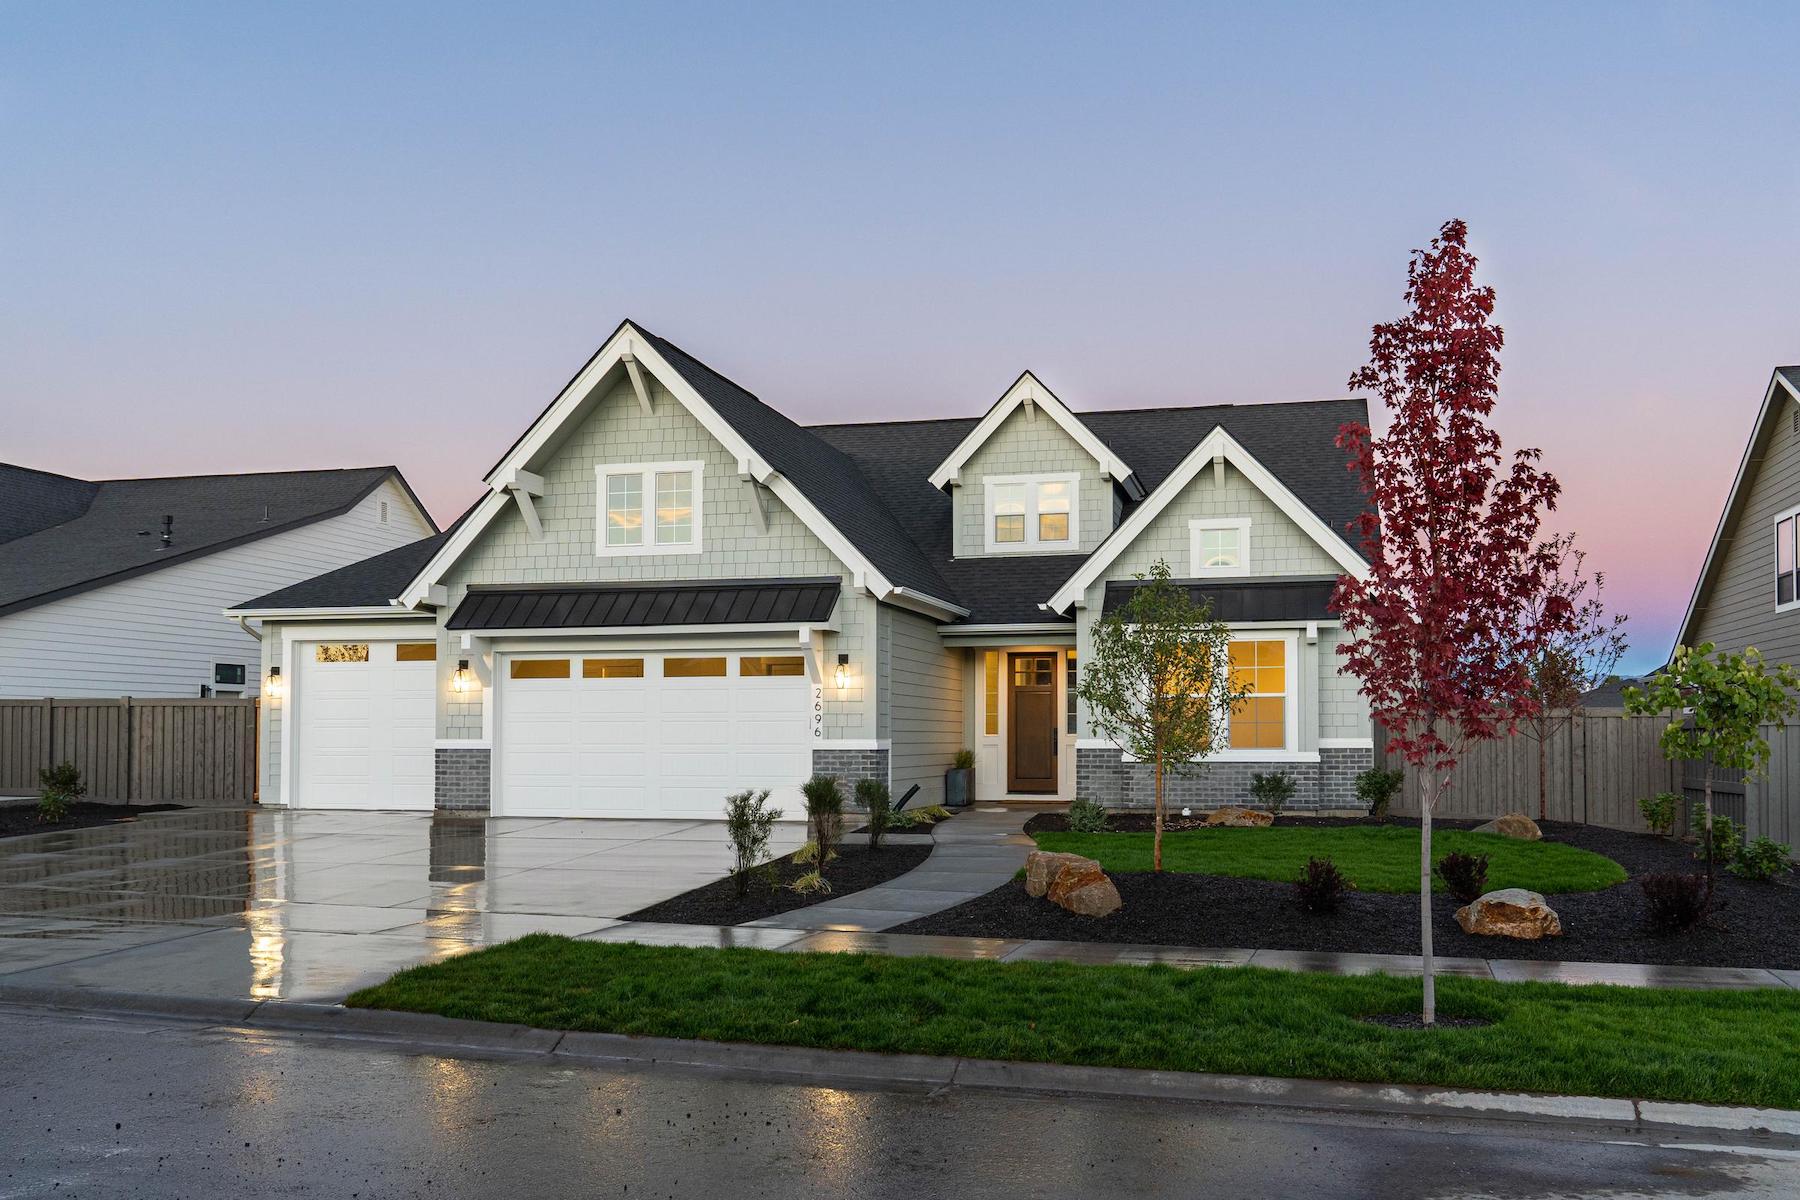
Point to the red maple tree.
(1438, 640)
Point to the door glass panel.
(612, 668)
(539, 668)
(415, 652)
(693, 668)
(1070, 694)
(341, 652)
(991, 692)
(768, 665)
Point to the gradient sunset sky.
(239, 237)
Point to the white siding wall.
(158, 634)
(733, 547)
(922, 686)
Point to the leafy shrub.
(810, 884)
(873, 795)
(1761, 860)
(932, 812)
(1727, 835)
(1675, 902)
(1086, 816)
(1659, 811)
(1273, 789)
(1377, 788)
(1464, 875)
(824, 816)
(749, 823)
(58, 787)
(1321, 886)
(901, 819)
(965, 760)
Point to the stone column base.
(464, 774)
(1330, 783)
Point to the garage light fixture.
(842, 675)
(272, 685)
(462, 680)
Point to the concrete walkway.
(973, 854)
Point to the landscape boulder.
(1510, 912)
(1513, 825)
(1240, 818)
(1072, 882)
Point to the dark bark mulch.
(855, 868)
(1753, 924)
(1415, 1021)
(21, 820)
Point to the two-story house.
(670, 592)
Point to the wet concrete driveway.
(268, 904)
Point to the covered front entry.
(1032, 736)
(617, 732)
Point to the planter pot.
(959, 787)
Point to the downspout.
(243, 623)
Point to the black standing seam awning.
(625, 606)
(1246, 600)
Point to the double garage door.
(639, 734)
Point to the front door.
(1031, 742)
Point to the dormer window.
(1031, 513)
(1786, 575)
(649, 508)
(1219, 546)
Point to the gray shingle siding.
(922, 683)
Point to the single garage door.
(626, 734)
(366, 716)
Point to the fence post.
(127, 732)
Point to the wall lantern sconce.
(462, 680)
(842, 675)
(272, 685)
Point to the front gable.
(1029, 444)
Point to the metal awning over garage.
(636, 606)
(1247, 600)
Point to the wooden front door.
(1031, 741)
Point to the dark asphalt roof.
(368, 583)
(1246, 599)
(117, 534)
(33, 500)
(721, 602)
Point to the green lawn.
(1723, 1047)
(1378, 858)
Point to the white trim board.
(1778, 386)
(1217, 444)
(1028, 390)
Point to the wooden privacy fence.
(134, 751)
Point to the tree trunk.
(1428, 795)
(1543, 774)
(1706, 799)
(1156, 856)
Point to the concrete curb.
(416, 1032)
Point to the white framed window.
(649, 508)
(1787, 561)
(1031, 513)
(1265, 724)
(1218, 546)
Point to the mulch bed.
(855, 868)
(1752, 925)
(21, 820)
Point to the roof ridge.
(1092, 412)
(246, 474)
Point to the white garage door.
(621, 733)
(366, 715)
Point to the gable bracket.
(637, 383)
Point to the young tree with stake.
(1439, 640)
(1159, 683)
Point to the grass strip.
(1384, 859)
(1715, 1047)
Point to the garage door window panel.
(341, 652)
(539, 668)
(765, 666)
(612, 668)
(694, 668)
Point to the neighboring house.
(114, 587)
(1748, 593)
(671, 592)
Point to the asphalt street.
(105, 1107)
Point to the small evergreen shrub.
(58, 787)
(1272, 790)
(1086, 816)
(1761, 860)
(749, 823)
(1321, 886)
(873, 796)
(1674, 902)
(1464, 875)
(1727, 835)
(824, 816)
(1659, 812)
(1376, 788)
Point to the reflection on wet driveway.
(269, 904)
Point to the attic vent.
(384, 519)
